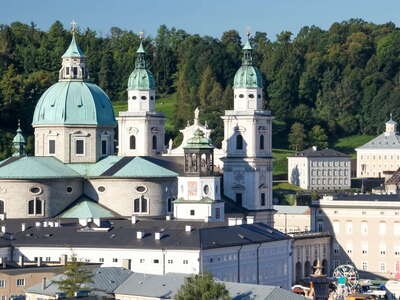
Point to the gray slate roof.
(105, 281)
(122, 234)
(311, 152)
(166, 286)
(385, 141)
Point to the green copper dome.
(248, 76)
(141, 78)
(199, 141)
(74, 102)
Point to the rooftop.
(314, 152)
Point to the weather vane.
(73, 24)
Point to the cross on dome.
(74, 26)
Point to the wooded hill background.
(320, 84)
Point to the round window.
(251, 95)
(101, 189)
(206, 189)
(241, 96)
(151, 97)
(134, 97)
(35, 190)
(69, 189)
(143, 97)
(141, 189)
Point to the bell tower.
(141, 128)
(247, 143)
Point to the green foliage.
(280, 163)
(202, 287)
(297, 137)
(348, 144)
(76, 277)
(317, 137)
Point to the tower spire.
(247, 59)
(19, 142)
(140, 62)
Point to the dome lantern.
(19, 142)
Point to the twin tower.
(74, 121)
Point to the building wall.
(54, 194)
(373, 162)
(202, 211)
(65, 138)
(315, 173)
(365, 233)
(292, 222)
(306, 252)
(142, 125)
(119, 194)
(30, 276)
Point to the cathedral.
(77, 173)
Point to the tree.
(317, 137)
(75, 277)
(297, 137)
(202, 287)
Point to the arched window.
(169, 205)
(239, 142)
(35, 207)
(1, 207)
(140, 205)
(262, 142)
(154, 142)
(132, 142)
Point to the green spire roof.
(199, 141)
(248, 76)
(86, 208)
(73, 49)
(141, 78)
(19, 142)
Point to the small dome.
(141, 79)
(248, 77)
(74, 102)
(199, 141)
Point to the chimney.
(139, 235)
(51, 224)
(188, 228)
(4, 262)
(45, 223)
(83, 222)
(168, 217)
(3, 229)
(23, 226)
(39, 261)
(44, 283)
(315, 148)
(21, 261)
(250, 219)
(133, 219)
(96, 221)
(63, 259)
(37, 224)
(56, 224)
(2, 217)
(231, 221)
(157, 235)
(239, 221)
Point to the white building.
(325, 169)
(380, 154)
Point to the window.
(141, 260)
(134, 97)
(382, 267)
(115, 259)
(238, 198)
(101, 189)
(241, 96)
(154, 142)
(35, 190)
(262, 199)
(52, 146)
(156, 261)
(80, 147)
(141, 189)
(320, 226)
(251, 96)
(239, 142)
(169, 205)
(1, 207)
(2, 284)
(103, 147)
(35, 207)
(20, 282)
(101, 259)
(365, 266)
(48, 258)
(206, 189)
(217, 213)
(170, 261)
(75, 71)
(143, 97)
(262, 142)
(382, 228)
(185, 262)
(69, 189)
(140, 205)
(67, 70)
(192, 212)
(132, 142)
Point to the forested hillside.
(333, 83)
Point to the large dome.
(141, 79)
(248, 77)
(74, 102)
